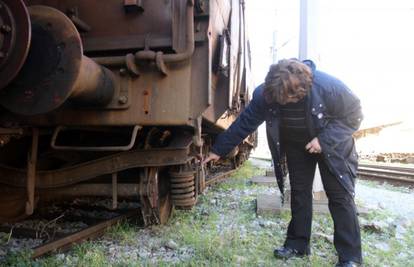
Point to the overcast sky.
(368, 44)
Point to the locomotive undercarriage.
(160, 170)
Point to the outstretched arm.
(245, 124)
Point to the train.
(118, 99)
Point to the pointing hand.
(211, 157)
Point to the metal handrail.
(93, 148)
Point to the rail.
(392, 174)
(217, 178)
(61, 241)
(81, 236)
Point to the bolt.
(5, 29)
(123, 100)
(123, 72)
(61, 46)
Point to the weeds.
(123, 232)
(224, 230)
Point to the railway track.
(64, 226)
(63, 239)
(395, 175)
(219, 177)
(91, 232)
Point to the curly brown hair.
(287, 81)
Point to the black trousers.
(347, 238)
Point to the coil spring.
(183, 189)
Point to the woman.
(310, 118)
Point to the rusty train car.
(117, 98)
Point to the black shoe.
(287, 253)
(347, 264)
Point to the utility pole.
(308, 31)
(303, 30)
(308, 50)
(274, 41)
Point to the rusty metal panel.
(220, 84)
(112, 28)
(178, 25)
(117, 63)
(234, 49)
(200, 81)
(155, 100)
(150, 97)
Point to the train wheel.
(156, 204)
(165, 208)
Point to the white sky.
(368, 44)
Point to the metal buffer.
(54, 68)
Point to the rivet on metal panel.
(123, 100)
(5, 29)
(123, 72)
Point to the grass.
(18, 259)
(223, 230)
(124, 232)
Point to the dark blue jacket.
(333, 114)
